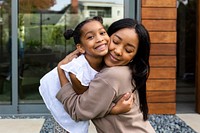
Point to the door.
(186, 56)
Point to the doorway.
(186, 56)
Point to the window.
(100, 11)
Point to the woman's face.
(123, 47)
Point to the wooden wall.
(159, 17)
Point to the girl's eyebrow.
(92, 31)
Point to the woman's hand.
(123, 105)
(69, 57)
(62, 77)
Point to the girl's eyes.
(101, 33)
(90, 37)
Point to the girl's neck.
(95, 62)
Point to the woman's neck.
(95, 62)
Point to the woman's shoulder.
(117, 72)
(117, 77)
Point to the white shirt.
(50, 85)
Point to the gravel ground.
(161, 123)
(169, 124)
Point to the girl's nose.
(99, 38)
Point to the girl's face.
(123, 47)
(94, 39)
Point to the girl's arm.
(76, 84)
(123, 105)
(67, 59)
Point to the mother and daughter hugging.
(103, 80)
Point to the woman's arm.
(67, 59)
(122, 106)
(93, 103)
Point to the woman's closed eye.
(129, 51)
(130, 48)
(115, 41)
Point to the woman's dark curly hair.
(140, 63)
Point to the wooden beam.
(162, 73)
(159, 13)
(162, 108)
(157, 25)
(161, 96)
(161, 84)
(163, 61)
(158, 3)
(163, 37)
(163, 49)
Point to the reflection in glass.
(41, 28)
(5, 52)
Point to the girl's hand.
(69, 57)
(123, 105)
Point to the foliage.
(27, 6)
(57, 34)
(33, 43)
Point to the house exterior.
(159, 17)
(110, 11)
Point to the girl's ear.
(80, 48)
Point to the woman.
(126, 70)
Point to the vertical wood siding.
(159, 17)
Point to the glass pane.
(41, 28)
(5, 52)
(186, 53)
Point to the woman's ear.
(80, 48)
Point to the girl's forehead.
(91, 26)
(91, 23)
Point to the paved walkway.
(21, 125)
(191, 120)
(34, 125)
